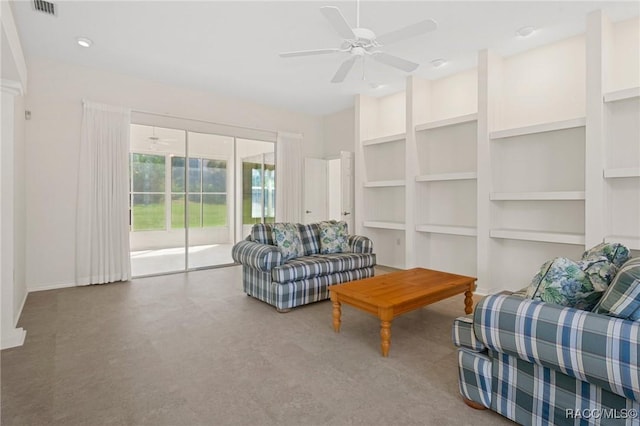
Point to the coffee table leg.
(385, 337)
(468, 300)
(337, 313)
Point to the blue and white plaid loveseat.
(538, 363)
(303, 280)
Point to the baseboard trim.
(50, 287)
(13, 338)
(19, 311)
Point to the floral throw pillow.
(334, 237)
(563, 282)
(615, 252)
(287, 238)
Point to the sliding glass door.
(193, 195)
(157, 233)
(210, 231)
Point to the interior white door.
(315, 190)
(346, 188)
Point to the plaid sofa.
(302, 280)
(544, 364)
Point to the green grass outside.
(151, 217)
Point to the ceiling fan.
(362, 42)
(154, 140)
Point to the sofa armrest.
(257, 255)
(591, 347)
(360, 244)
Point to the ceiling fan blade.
(309, 52)
(395, 62)
(344, 70)
(334, 16)
(408, 32)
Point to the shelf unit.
(447, 176)
(443, 126)
(384, 183)
(536, 159)
(380, 173)
(385, 139)
(539, 236)
(493, 171)
(537, 196)
(619, 112)
(384, 225)
(467, 231)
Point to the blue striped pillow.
(622, 298)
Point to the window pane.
(177, 174)
(177, 211)
(214, 176)
(269, 192)
(148, 212)
(214, 210)
(194, 211)
(148, 173)
(195, 171)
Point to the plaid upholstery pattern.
(310, 236)
(295, 293)
(360, 244)
(474, 371)
(260, 256)
(622, 298)
(263, 233)
(531, 394)
(593, 348)
(320, 265)
(303, 280)
(463, 335)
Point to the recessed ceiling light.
(376, 85)
(84, 42)
(440, 62)
(525, 31)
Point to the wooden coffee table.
(390, 295)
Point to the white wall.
(339, 132)
(19, 208)
(53, 137)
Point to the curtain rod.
(274, 132)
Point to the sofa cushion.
(622, 298)
(310, 236)
(287, 238)
(263, 233)
(600, 271)
(615, 252)
(563, 282)
(320, 265)
(334, 237)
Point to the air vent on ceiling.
(45, 7)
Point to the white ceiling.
(232, 47)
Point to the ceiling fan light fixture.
(84, 42)
(439, 63)
(525, 31)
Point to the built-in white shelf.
(622, 172)
(631, 242)
(535, 196)
(384, 225)
(621, 95)
(539, 128)
(468, 231)
(546, 237)
(385, 139)
(461, 119)
(384, 183)
(447, 176)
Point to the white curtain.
(102, 227)
(289, 178)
